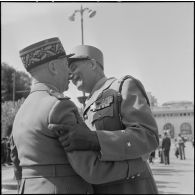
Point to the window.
(185, 129)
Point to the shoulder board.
(138, 83)
(58, 95)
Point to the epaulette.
(58, 95)
(138, 83)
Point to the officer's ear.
(52, 68)
(93, 64)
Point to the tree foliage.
(22, 83)
(8, 113)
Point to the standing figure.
(117, 111)
(166, 145)
(181, 143)
(160, 151)
(8, 158)
(176, 148)
(151, 157)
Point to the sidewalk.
(9, 184)
(176, 178)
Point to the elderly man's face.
(63, 73)
(83, 76)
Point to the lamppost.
(72, 18)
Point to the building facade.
(175, 118)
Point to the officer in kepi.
(118, 113)
(42, 164)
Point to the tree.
(8, 112)
(22, 83)
(6, 82)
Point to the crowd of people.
(165, 146)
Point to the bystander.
(166, 145)
(181, 147)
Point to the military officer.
(42, 164)
(117, 111)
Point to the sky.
(153, 42)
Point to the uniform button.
(133, 177)
(127, 178)
(123, 131)
(128, 144)
(138, 174)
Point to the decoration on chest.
(106, 102)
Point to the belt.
(47, 171)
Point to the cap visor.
(74, 59)
(70, 55)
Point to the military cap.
(42, 52)
(82, 52)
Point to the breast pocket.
(103, 117)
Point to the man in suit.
(117, 113)
(39, 158)
(181, 143)
(166, 145)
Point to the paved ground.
(176, 178)
(8, 183)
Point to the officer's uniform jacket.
(46, 168)
(126, 130)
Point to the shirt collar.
(38, 86)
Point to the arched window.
(186, 129)
(170, 128)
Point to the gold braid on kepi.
(42, 52)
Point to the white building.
(175, 117)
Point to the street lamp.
(72, 19)
(81, 11)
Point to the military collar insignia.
(39, 87)
(43, 87)
(97, 94)
(98, 105)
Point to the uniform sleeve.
(15, 160)
(140, 136)
(87, 163)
